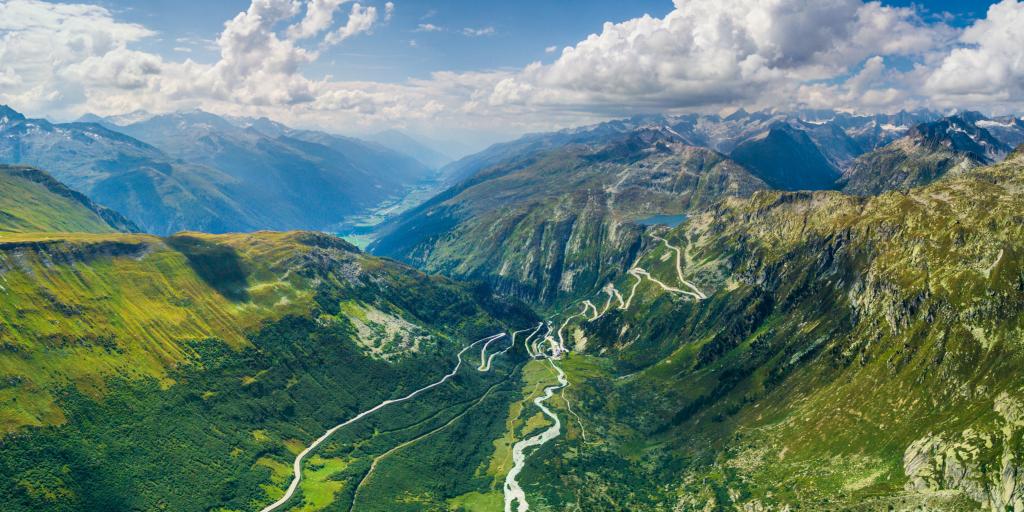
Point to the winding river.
(513, 492)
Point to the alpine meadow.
(477, 256)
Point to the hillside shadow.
(217, 265)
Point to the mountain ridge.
(32, 212)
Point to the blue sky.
(491, 70)
(523, 30)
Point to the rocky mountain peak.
(962, 134)
(8, 114)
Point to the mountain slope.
(549, 224)
(930, 151)
(143, 373)
(134, 178)
(301, 178)
(1008, 130)
(786, 159)
(838, 136)
(854, 354)
(212, 175)
(32, 201)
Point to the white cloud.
(711, 52)
(428, 27)
(319, 17)
(64, 59)
(989, 65)
(360, 20)
(39, 41)
(389, 10)
(478, 32)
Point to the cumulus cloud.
(990, 64)
(361, 19)
(319, 17)
(708, 52)
(40, 41)
(65, 57)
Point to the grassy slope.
(842, 333)
(80, 308)
(112, 305)
(34, 202)
(136, 368)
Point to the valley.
(534, 256)
(629, 313)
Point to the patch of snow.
(988, 123)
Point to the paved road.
(699, 295)
(297, 465)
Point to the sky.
(481, 71)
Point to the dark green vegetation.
(856, 354)
(218, 437)
(33, 201)
(201, 172)
(548, 225)
(183, 373)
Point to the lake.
(665, 220)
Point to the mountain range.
(198, 171)
(852, 353)
(550, 215)
(33, 201)
(132, 366)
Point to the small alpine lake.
(664, 220)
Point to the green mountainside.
(185, 373)
(33, 201)
(551, 224)
(852, 354)
(903, 164)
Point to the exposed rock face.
(906, 163)
(983, 464)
